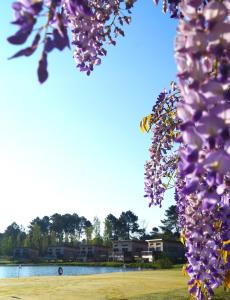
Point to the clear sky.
(73, 144)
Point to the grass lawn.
(143, 285)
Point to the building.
(25, 253)
(93, 253)
(127, 250)
(62, 253)
(171, 248)
(82, 252)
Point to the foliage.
(128, 225)
(170, 223)
(125, 227)
(69, 230)
(112, 227)
(97, 238)
(161, 263)
(44, 232)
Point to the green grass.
(143, 285)
(180, 294)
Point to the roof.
(61, 246)
(91, 245)
(164, 240)
(128, 241)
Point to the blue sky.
(73, 144)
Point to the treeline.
(71, 229)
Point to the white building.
(171, 248)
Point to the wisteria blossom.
(94, 24)
(203, 59)
(160, 170)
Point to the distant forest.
(71, 229)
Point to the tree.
(128, 225)
(53, 238)
(7, 245)
(107, 234)
(97, 239)
(36, 237)
(57, 226)
(12, 238)
(44, 244)
(43, 223)
(27, 242)
(13, 230)
(68, 222)
(155, 231)
(112, 224)
(89, 234)
(170, 226)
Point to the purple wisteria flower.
(161, 168)
(93, 23)
(203, 60)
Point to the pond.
(27, 271)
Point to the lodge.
(25, 253)
(121, 251)
(127, 250)
(173, 249)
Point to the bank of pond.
(77, 268)
(163, 263)
(57, 270)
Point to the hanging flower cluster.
(94, 23)
(203, 60)
(171, 6)
(99, 22)
(160, 169)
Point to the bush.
(142, 265)
(163, 263)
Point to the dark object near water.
(60, 271)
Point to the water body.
(28, 271)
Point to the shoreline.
(153, 266)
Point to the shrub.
(163, 263)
